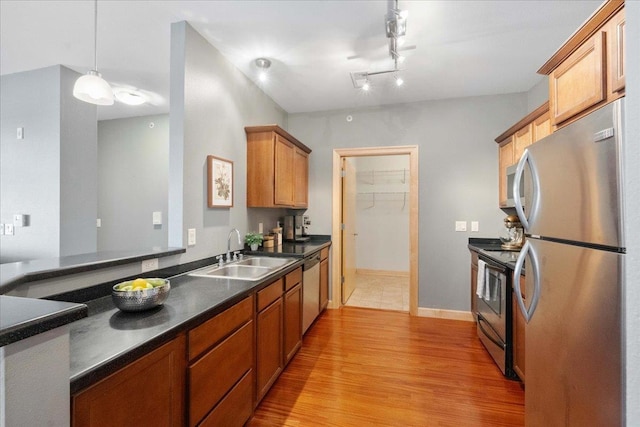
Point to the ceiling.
(463, 48)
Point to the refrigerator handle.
(535, 272)
(535, 181)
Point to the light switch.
(20, 220)
(20, 133)
(475, 226)
(260, 228)
(8, 229)
(461, 225)
(1, 229)
(191, 237)
(98, 222)
(157, 218)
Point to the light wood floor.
(386, 292)
(363, 367)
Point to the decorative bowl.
(140, 299)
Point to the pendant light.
(91, 87)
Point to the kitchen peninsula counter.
(109, 339)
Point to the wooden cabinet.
(512, 143)
(277, 168)
(324, 278)
(518, 332)
(588, 71)
(220, 386)
(474, 283)
(269, 343)
(149, 391)
(292, 314)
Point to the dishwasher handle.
(311, 261)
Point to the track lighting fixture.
(396, 29)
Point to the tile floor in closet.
(385, 292)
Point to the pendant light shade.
(91, 87)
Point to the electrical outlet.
(98, 222)
(20, 133)
(260, 228)
(8, 229)
(475, 226)
(191, 237)
(157, 218)
(461, 225)
(149, 265)
(1, 229)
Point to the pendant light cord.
(95, 35)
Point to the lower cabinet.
(220, 369)
(269, 362)
(149, 391)
(519, 334)
(474, 283)
(324, 278)
(292, 314)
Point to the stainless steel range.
(493, 302)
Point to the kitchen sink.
(265, 262)
(247, 269)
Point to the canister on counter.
(278, 233)
(269, 241)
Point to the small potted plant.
(253, 240)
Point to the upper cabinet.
(588, 71)
(277, 169)
(516, 139)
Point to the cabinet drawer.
(215, 329)
(211, 377)
(324, 253)
(235, 408)
(293, 279)
(269, 294)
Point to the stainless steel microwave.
(511, 173)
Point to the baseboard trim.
(446, 314)
(382, 272)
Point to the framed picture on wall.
(220, 180)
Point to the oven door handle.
(489, 335)
(492, 264)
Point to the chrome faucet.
(229, 242)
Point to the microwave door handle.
(535, 272)
(535, 181)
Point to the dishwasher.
(310, 290)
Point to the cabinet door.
(300, 178)
(149, 391)
(519, 335)
(324, 284)
(284, 160)
(541, 127)
(505, 160)
(269, 347)
(615, 52)
(522, 139)
(292, 322)
(474, 287)
(579, 82)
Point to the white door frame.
(336, 218)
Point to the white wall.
(458, 175)
(382, 213)
(211, 103)
(133, 182)
(538, 94)
(631, 298)
(51, 173)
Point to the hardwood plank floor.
(361, 367)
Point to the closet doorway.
(375, 228)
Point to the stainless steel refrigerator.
(574, 255)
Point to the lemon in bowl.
(140, 294)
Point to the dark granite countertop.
(109, 339)
(22, 318)
(491, 248)
(14, 273)
(296, 250)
